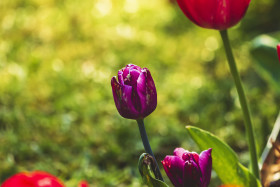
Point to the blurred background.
(57, 58)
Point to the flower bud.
(34, 179)
(214, 14)
(186, 168)
(134, 92)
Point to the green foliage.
(146, 166)
(264, 52)
(225, 161)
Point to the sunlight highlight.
(131, 6)
(104, 7)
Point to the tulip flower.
(188, 169)
(33, 179)
(135, 97)
(221, 15)
(134, 92)
(278, 51)
(214, 14)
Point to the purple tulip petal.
(131, 77)
(120, 77)
(151, 93)
(132, 66)
(128, 77)
(135, 93)
(174, 167)
(179, 152)
(142, 92)
(188, 169)
(122, 98)
(131, 80)
(136, 102)
(116, 89)
(191, 174)
(128, 105)
(191, 156)
(125, 71)
(134, 74)
(205, 164)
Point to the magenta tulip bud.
(186, 169)
(214, 14)
(134, 92)
(278, 51)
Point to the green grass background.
(57, 58)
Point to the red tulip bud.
(214, 14)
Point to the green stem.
(148, 147)
(243, 103)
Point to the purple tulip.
(135, 93)
(188, 169)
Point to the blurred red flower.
(32, 179)
(83, 184)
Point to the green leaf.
(146, 166)
(264, 52)
(225, 161)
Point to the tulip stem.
(243, 102)
(147, 146)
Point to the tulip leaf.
(146, 166)
(225, 160)
(263, 50)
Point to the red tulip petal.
(34, 179)
(214, 14)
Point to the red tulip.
(278, 51)
(33, 179)
(214, 14)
